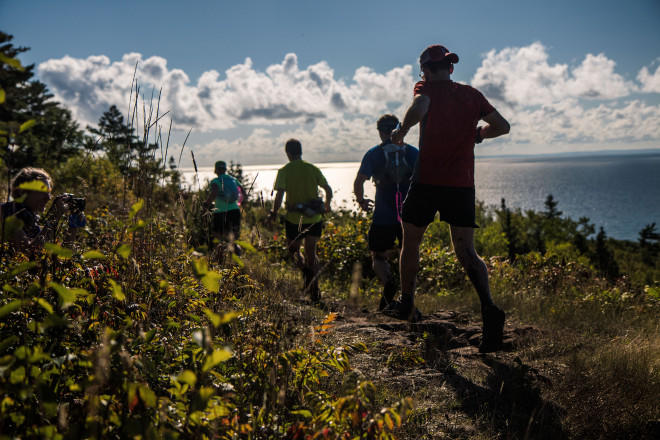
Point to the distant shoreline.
(566, 155)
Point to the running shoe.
(308, 277)
(493, 330)
(388, 294)
(315, 294)
(404, 311)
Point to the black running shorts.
(382, 237)
(294, 231)
(455, 205)
(226, 222)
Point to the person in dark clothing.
(20, 217)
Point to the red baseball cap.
(437, 52)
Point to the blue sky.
(246, 76)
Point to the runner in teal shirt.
(225, 193)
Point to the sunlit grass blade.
(218, 356)
(27, 125)
(94, 255)
(12, 224)
(124, 251)
(245, 245)
(116, 291)
(58, 251)
(187, 377)
(11, 307)
(218, 320)
(34, 185)
(13, 62)
(67, 296)
(22, 268)
(135, 208)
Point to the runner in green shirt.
(300, 181)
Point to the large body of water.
(621, 193)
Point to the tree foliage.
(550, 234)
(115, 138)
(34, 129)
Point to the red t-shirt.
(447, 133)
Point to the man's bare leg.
(312, 266)
(293, 248)
(380, 266)
(409, 259)
(463, 241)
(476, 269)
(404, 307)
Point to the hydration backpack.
(229, 190)
(397, 170)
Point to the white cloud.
(554, 104)
(523, 77)
(327, 140)
(372, 90)
(568, 122)
(283, 94)
(595, 79)
(520, 76)
(547, 103)
(650, 81)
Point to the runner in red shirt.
(448, 114)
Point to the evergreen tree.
(116, 139)
(134, 158)
(649, 242)
(551, 210)
(582, 232)
(555, 229)
(535, 232)
(510, 232)
(605, 262)
(34, 129)
(649, 237)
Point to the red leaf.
(134, 402)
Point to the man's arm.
(328, 197)
(358, 190)
(277, 203)
(212, 195)
(414, 115)
(495, 126)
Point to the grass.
(619, 384)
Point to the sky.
(240, 78)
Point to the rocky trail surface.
(457, 392)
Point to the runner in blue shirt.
(383, 165)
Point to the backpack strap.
(379, 177)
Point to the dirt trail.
(457, 392)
